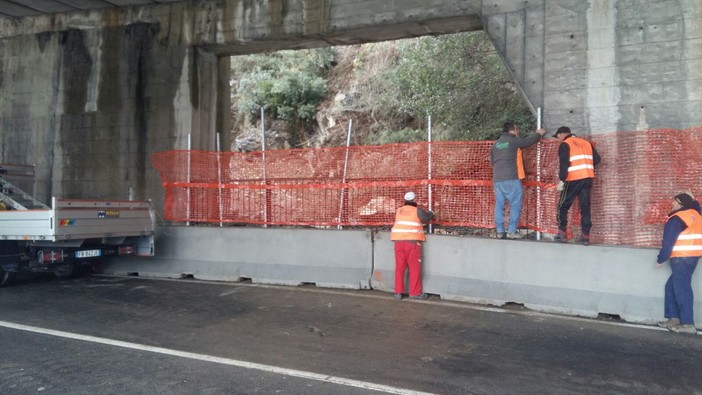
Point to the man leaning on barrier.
(408, 235)
(682, 243)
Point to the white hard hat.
(409, 196)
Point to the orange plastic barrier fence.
(363, 185)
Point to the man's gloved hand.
(560, 186)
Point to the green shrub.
(459, 79)
(288, 83)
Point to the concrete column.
(204, 85)
(224, 104)
(603, 92)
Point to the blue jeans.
(678, 290)
(511, 191)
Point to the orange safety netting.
(363, 185)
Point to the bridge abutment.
(88, 96)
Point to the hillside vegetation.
(387, 89)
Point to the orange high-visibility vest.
(689, 241)
(521, 174)
(582, 164)
(407, 226)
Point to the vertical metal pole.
(343, 179)
(538, 177)
(219, 179)
(266, 192)
(431, 230)
(34, 181)
(187, 198)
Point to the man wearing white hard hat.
(408, 235)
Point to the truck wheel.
(5, 277)
(65, 270)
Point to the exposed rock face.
(331, 124)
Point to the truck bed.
(76, 220)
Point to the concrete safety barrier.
(335, 259)
(569, 279)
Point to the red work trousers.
(408, 253)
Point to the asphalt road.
(112, 335)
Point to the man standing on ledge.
(507, 175)
(577, 158)
(408, 235)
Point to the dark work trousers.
(678, 290)
(571, 190)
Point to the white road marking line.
(220, 360)
(233, 291)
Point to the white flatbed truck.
(69, 234)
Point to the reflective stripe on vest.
(689, 241)
(582, 164)
(521, 174)
(407, 226)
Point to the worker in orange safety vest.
(682, 244)
(577, 161)
(408, 235)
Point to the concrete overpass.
(16, 9)
(88, 95)
(89, 88)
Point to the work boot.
(689, 329)
(421, 296)
(561, 237)
(515, 236)
(669, 323)
(584, 239)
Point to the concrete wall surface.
(594, 65)
(543, 276)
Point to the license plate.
(88, 253)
